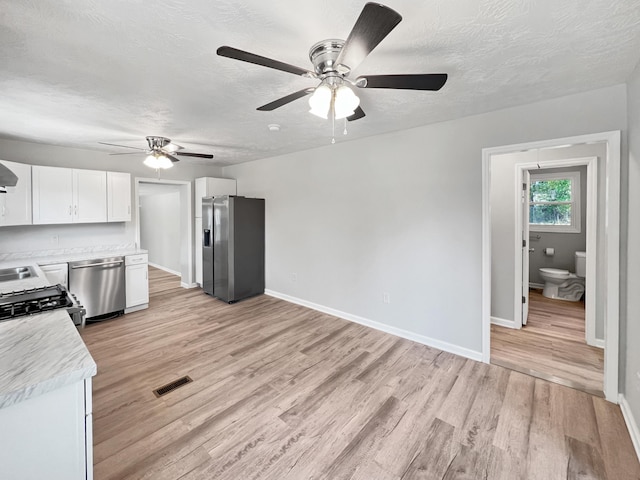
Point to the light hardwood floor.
(284, 392)
(552, 345)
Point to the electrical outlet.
(386, 298)
(294, 277)
(54, 240)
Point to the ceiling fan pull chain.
(333, 125)
(345, 126)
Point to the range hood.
(7, 178)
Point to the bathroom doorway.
(556, 214)
(549, 346)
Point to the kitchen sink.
(16, 273)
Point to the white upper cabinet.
(52, 195)
(211, 187)
(118, 197)
(89, 196)
(15, 205)
(65, 195)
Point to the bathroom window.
(554, 202)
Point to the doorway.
(605, 294)
(164, 225)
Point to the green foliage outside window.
(550, 202)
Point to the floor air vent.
(170, 387)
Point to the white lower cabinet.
(49, 436)
(137, 282)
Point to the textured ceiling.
(77, 72)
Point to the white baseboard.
(168, 270)
(188, 285)
(398, 332)
(538, 286)
(632, 426)
(136, 308)
(599, 343)
(502, 322)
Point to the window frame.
(575, 226)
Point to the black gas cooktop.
(32, 301)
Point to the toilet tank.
(581, 264)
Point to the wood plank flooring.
(552, 345)
(281, 392)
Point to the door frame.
(591, 235)
(522, 227)
(187, 267)
(611, 250)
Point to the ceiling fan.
(161, 152)
(334, 59)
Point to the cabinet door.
(15, 205)
(118, 197)
(137, 285)
(198, 250)
(90, 196)
(44, 437)
(52, 195)
(200, 191)
(220, 186)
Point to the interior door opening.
(164, 225)
(599, 155)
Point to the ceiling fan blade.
(357, 114)
(426, 81)
(243, 56)
(129, 153)
(122, 146)
(172, 147)
(373, 25)
(284, 100)
(171, 157)
(199, 155)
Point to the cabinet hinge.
(524, 300)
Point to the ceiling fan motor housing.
(156, 143)
(324, 54)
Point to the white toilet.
(564, 285)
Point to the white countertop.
(39, 353)
(56, 256)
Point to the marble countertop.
(44, 352)
(40, 353)
(40, 280)
(49, 257)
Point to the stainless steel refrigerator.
(232, 247)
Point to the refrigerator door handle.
(206, 238)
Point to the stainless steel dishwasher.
(99, 285)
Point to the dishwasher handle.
(114, 263)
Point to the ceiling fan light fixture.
(158, 161)
(345, 102)
(320, 101)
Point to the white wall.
(160, 218)
(36, 237)
(503, 231)
(632, 306)
(401, 213)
